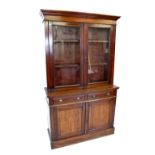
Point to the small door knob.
(60, 100)
(108, 94)
(78, 98)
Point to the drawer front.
(103, 94)
(68, 99)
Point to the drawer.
(102, 94)
(68, 99)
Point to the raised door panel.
(69, 120)
(100, 114)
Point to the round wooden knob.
(78, 98)
(60, 100)
(108, 94)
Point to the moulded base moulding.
(77, 139)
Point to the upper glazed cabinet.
(80, 54)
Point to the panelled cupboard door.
(69, 120)
(65, 38)
(100, 114)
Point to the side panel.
(112, 51)
(49, 54)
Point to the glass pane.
(98, 54)
(66, 46)
(67, 76)
(66, 53)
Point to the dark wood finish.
(100, 114)
(85, 54)
(80, 52)
(82, 60)
(81, 138)
(69, 120)
(77, 14)
(49, 69)
(71, 91)
(69, 99)
(112, 54)
(67, 76)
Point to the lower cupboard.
(79, 121)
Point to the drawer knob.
(78, 98)
(60, 100)
(108, 94)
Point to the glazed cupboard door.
(98, 45)
(100, 114)
(68, 120)
(66, 50)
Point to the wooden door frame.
(54, 120)
(50, 51)
(111, 100)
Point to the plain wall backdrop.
(23, 109)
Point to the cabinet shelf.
(99, 64)
(66, 65)
(98, 41)
(66, 41)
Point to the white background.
(23, 117)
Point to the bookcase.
(81, 97)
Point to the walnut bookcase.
(80, 51)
